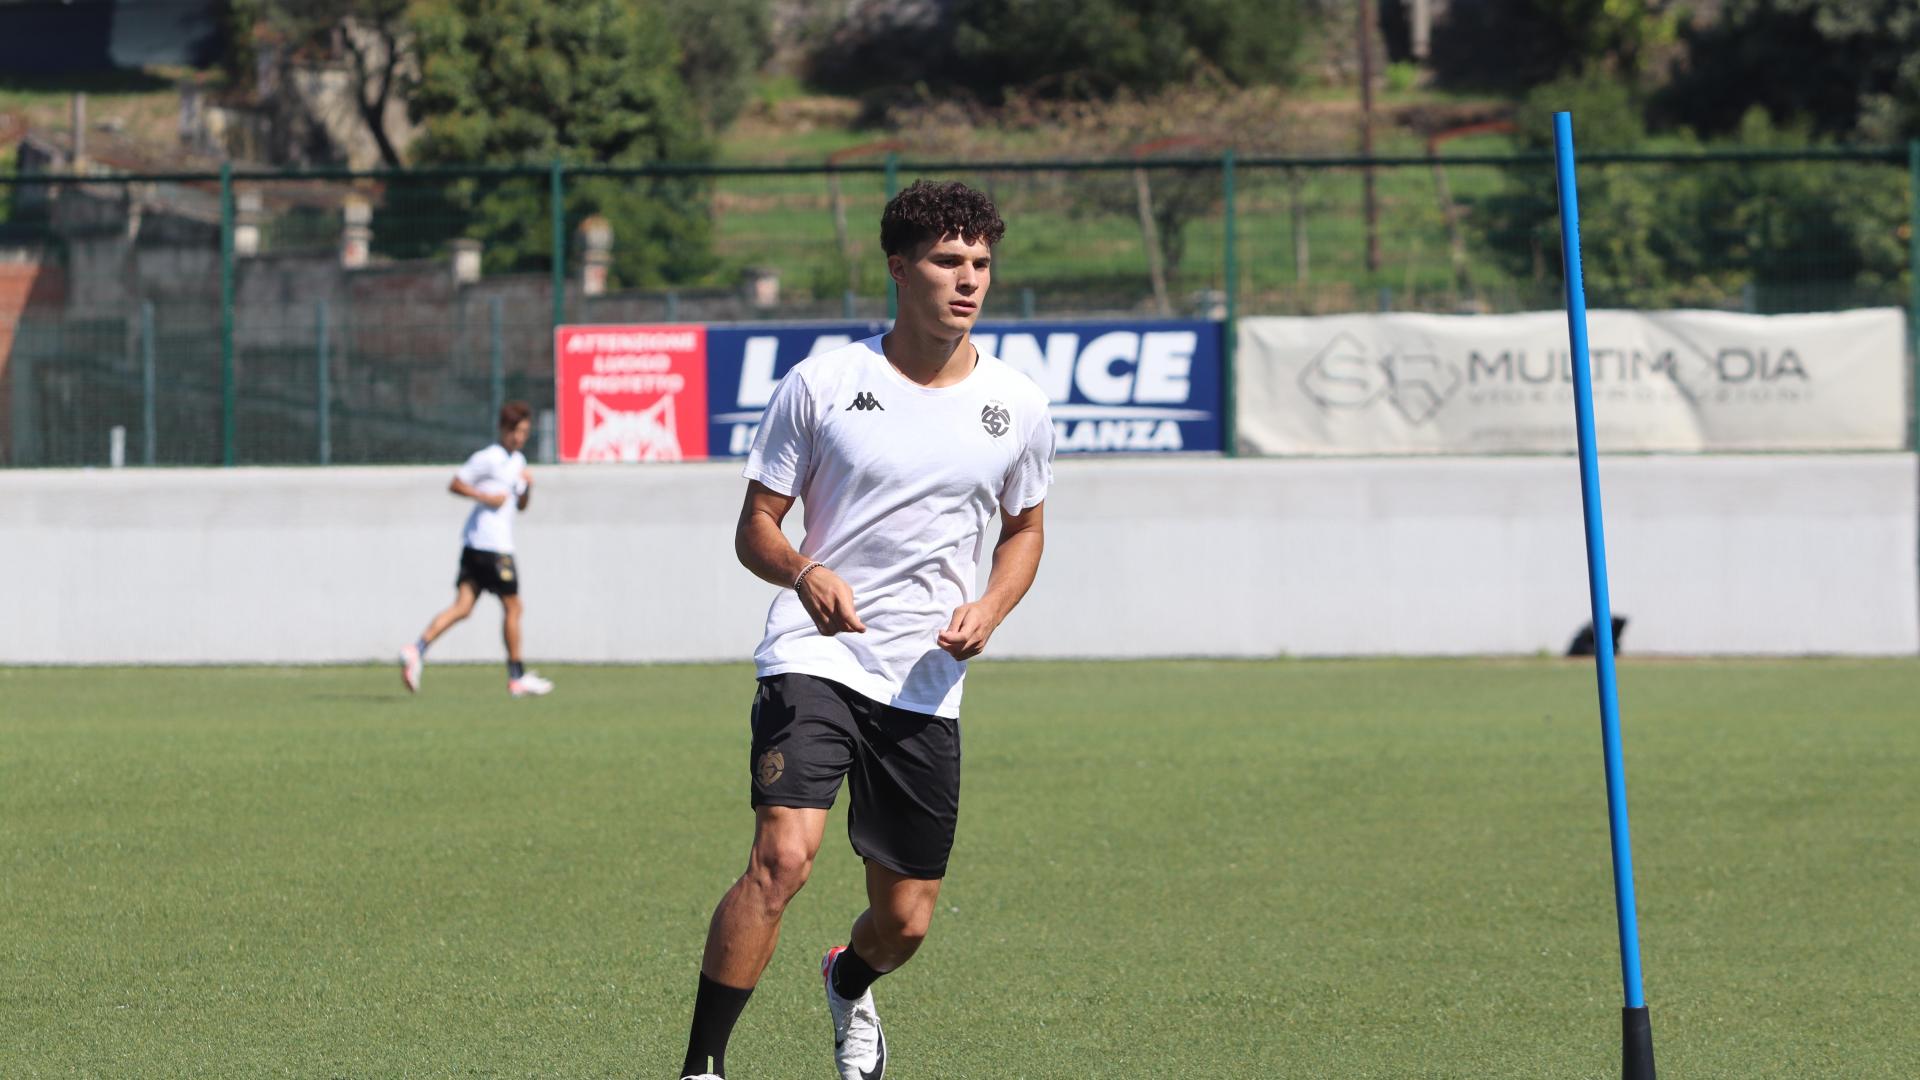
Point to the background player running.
(498, 482)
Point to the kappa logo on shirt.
(865, 401)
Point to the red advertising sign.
(631, 393)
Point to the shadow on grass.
(372, 697)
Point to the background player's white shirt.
(898, 483)
(493, 471)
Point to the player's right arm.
(778, 463)
(470, 474)
(468, 491)
(764, 549)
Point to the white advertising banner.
(1478, 384)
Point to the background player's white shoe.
(704, 1076)
(410, 664)
(859, 1046)
(529, 684)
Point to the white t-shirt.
(898, 483)
(493, 471)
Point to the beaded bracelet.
(804, 571)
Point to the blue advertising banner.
(1128, 386)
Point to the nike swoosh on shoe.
(880, 1066)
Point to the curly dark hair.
(927, 212)
(512, 413)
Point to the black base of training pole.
(1636, 1044)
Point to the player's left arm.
(526, 488)
(1016, 559)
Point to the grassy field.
(1289, 869)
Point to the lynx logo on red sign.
(631, 393)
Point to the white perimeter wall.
(1144, 558)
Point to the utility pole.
(77, 116)
(1366, 135)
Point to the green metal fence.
(332, 317)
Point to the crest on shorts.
(770, 768)
(996, 419)
(506, 568)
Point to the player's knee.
(905, 930)
(914, 930)
(779, 871)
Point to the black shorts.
(903, 768)
(488, 571)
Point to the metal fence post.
(229, 421)
(893, 188)
(558, 195)
(323, 408)
(25, 390)
(149, 387)
(496, 360)
(1913, 280)
(1229, 330)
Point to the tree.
(370, 37)
(1850, 67)
(722, 45)
(877, 44)
(1886, 36)
(516, 82)
(1774, 236)
(373, 34)
(1512, 45)
(1622, 263)
(1801, 235)
(1064, 48)
(1096, 47)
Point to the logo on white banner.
(1348, 375)
(1664, 380)
(1418, 381)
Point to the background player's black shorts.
(902, 768)
(488, 571)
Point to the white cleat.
(529, 684)
(410, 664)
(859, 1046)
(704, 1076)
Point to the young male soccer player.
(498, 482)
(902, 447)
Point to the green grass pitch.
(1290, 869)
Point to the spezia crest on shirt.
(995, 418)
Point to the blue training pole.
(1637, 1030)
